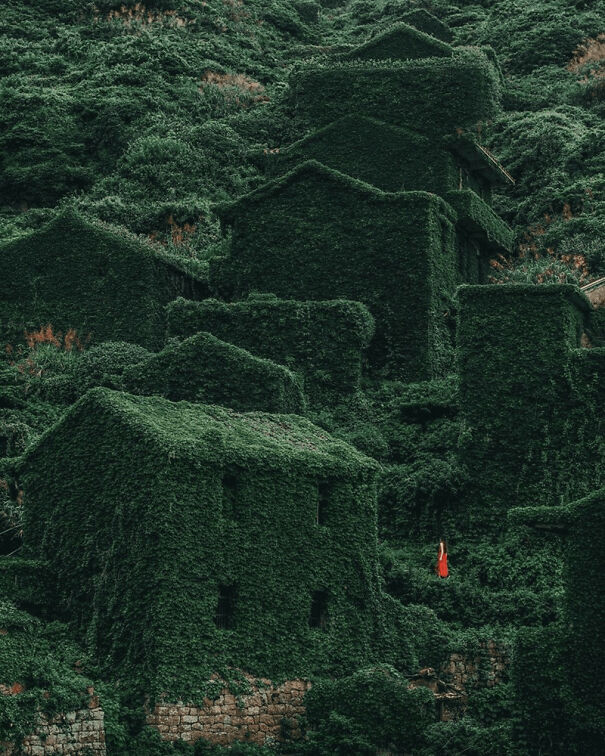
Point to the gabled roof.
(210, 433)
(479, 158)
(354, 121)
(312, 168)
(428, 23)
(401, 42)
(69, 225)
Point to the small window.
(231, 496)
(225, 607)
(324, 493)
(319, 610)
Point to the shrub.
(373, 708)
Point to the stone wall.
(267, 714)
(482, 670)
(77, 732)
(596, 292)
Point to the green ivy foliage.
(395, 92)
(204, 369)
(43, 661)
(105, 540)
(394, 254)
(479, 220)
(369, 710)
(76, 275)
(406, 160)
(322, 340)
(579, 643)
(401, 42)
(516, 341)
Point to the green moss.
(323, 341)
(204, 369)
(316, 234)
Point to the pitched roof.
(211, 434)
(427, 22)
(355, 121)
(228, 211)
(71, 227)
(413, 43)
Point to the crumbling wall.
(81, 731)
(268, 713)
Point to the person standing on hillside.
(441, 566)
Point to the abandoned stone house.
(388, 202)
(183, 538)
(103, 283)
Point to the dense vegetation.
(145, 116)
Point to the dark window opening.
(225, 607)
(323, 501)
(319, 610)
(231, 496)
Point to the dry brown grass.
(240, 81)
(590, 51)
(239, 89)
(140, 14)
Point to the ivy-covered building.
(322, 341)
(182, 538)
(352, 210)
(205, 369)
(581, 524)
(317, 233)
(531, 399)
(80, 274)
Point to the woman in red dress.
(441, 568)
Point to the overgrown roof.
(401, 42)
(351, 121)
(209, 432)
(427, 22)
(69, 223)
(228, 211)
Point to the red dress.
(442, 564)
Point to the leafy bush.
(371, 709)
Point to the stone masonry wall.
(77, 732)
(267, 714)
(484, 670)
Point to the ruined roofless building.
(385, 201)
